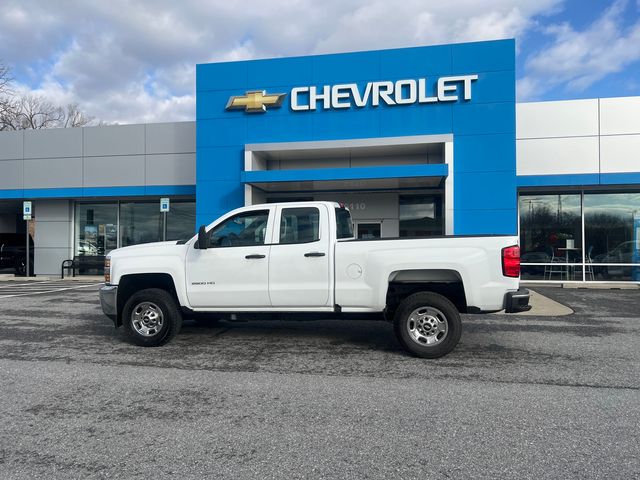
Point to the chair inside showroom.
(588, 264)
(555, 267)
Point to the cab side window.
(299, 225)
(242, 230)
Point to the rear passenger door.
(299, 260)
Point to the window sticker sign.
(26, 210)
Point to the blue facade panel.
(579, 179)
(562, 180)
(91, 192)
(483, 127)
(357, 173)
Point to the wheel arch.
(445, 282)
(132, 283)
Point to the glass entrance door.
(368, 230)
(96, 235)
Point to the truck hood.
(144, 249)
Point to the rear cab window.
(344, 224)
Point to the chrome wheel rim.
(147, 319)
(427, 326)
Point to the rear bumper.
(108, 301)
(518, 301)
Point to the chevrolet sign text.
(401, 92)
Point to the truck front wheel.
(427, 325)
(151, 317)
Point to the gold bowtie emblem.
(256, 101)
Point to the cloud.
(130, 61)
(577, 59)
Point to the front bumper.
(518, 301)
(109, 302)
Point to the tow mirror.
(203, 238)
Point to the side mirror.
(203, 238)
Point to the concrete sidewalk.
(543, 307)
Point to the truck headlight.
(107, 269)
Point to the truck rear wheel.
(427, 325)
(151, 317)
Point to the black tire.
(140, 314)
(438, 321)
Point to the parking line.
(48, 291)
(29, 284)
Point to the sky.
(127, 61)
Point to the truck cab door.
(233, 270)
(301, 258)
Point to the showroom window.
(181, 220)
(140, 223)
(612, 235)
(421, 215)
(554, 248)
(102, 227)
(96, 228)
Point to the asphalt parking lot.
(521, 396)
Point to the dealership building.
(417, 141)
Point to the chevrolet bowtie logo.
(256, 101)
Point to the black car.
(13, 252)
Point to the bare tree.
(5, 79)
(74, 117)
(35, 112)
(5, 90)
(31, 112)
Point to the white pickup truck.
(301, 260)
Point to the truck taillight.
(511, 261)
(107, 270)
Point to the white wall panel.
(619, 115)
(620, 153)
(51, 234)
(114, 140)
(555, 156)
(171, 169)
(52, 238)
(47, 260)
(570, 118)
(99, 156)
(52, 210)
(114, 171)
(53, 172)
(177, 137)
(11, 145)
(53, 143)
(11, 174)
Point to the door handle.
(314, 254)
(255, 255)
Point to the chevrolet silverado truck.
(301, 260)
